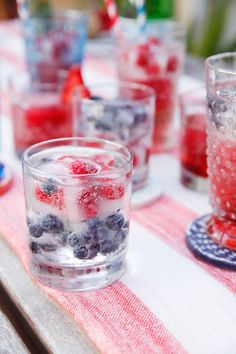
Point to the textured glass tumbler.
(154, 58)
(221, 145)
(54, 43)
(120, 112)
(193, 164)
(77, 193)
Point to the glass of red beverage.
(193, 162)
(38, 112)
(221, 147)
(154, 58)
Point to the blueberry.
(95, 223)
(49, 247)
(105, 123)
(35, 247)
(126, 225)
(35, 230)
(93, 251)
(51, 223)
(79, 239)
(115, 221)
(81, 252)
(102, 233)
(50, 186)
(108, 246)
(120, 236)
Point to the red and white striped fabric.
(167, 301)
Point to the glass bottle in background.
(156, 9)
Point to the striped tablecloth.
(167, 301)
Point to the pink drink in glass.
(193, 141)
(77, 201)
(155, 59)
(38, 114)
(221, 88)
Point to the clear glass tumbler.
(77, 193)
(193, 160)
(154, 58)
(120, 112)
(38, 112)
(221, 145)
(54, 43)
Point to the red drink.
(155, 59)
(40, 117)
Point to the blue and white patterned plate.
(203, 247)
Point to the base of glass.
(193, 181)
(73, 278)
(203, 246)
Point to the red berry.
(83, 167)
(153, 69)
(112, 191)
(87, 200)
(56, 199)
(154, 41)
(172, 64)
(135, 160)
(142, 59)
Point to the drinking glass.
(221, 145)
(54, 43)
(77, 193)
(120, 112)
(193, 164)
(38, 111)
(154, 58)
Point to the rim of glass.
(62, 14)
(26, 156)
(132, 86)
(211, 62)
(170, 26)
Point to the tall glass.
(120, 112)
(54, 43)
(77, 193)
(221, 144)
(154, 58)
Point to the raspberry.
(87, 200)
(83, 167)
(56, 199)
(172, 64)
(112, 191)
(153, 69)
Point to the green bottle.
(159, 9)
(155, 9)
(40, 8)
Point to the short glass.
(54, 43)
(122, 113)
(38, 112)
(221, 147)
(193, 164)
(77, 193)
(154, 58)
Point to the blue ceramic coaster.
(203, 247)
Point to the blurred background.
(211, 26)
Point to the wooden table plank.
(47, 322)
(10, 342)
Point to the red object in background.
(38, 122)
(193, 145)
(104, 19)
(74, 79)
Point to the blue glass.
(54, 43)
